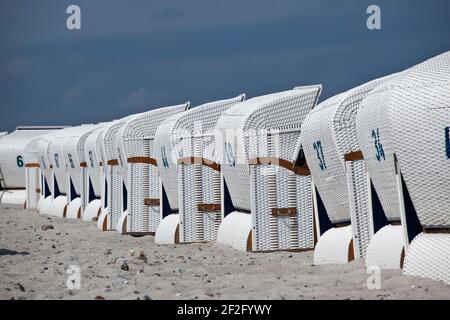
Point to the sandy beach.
(34, 261)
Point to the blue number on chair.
(164, 157)
(19, 161)
(91, 160)
(72, 165)
(319, 151)
(231, 161)
(447, 142)
(378, 146)
(56, 160)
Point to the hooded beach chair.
(187, 162)
(36, 185)
(419, 112)
(13, 165)
(47, 190)
(64, 190)
(387, 246)
(139, 172)
(33, 174)
(338, 170)
(115, 194)
(74, 157)
(103, 181)
(94, 176)
(267, 198)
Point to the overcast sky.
(131, 56)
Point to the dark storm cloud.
(134, 55)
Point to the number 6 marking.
(19, 161)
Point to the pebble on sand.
(21, 287)
(125, 266)
(142, 256)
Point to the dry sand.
(33, 265)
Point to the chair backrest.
(173, 141)
(109, 148)
(328, 135)
(135, 138)
(73, 161)
(166, 159)
(34, 182)
(199, 178)
(115, 185)
(256, 128)
(135, 141)
(56, 154)
(374, 133)
(260, 169)
(419, 113)
(44, 162)
(93, 159)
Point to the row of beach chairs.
(363, 174)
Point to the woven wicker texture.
(17, 197)
(429, 257)
(92, 159)
(136, 139)
(167, 229)
(166, 159)
(197, 183)
(33, 177)
(269, 126)
(112, 172)
(31, 148)
(328, 133)
(44, 161)
(235, 229)
(73, 157)
(56, 154)
(385, 248)
(103, 168)
(374, 137)
(420, 122)
(419, 109)
(333, 246)
(360, 210)
(325, 162)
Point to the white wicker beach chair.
(338, 170)
(373, 128)
(63, 187)
(94, 175)
(13, 167)
(47, 191)
(267, 201)
(166, 159)
(103, 181)
(115, 193)
(36, 185)
(139, 171)
(49, 188)
(419, 112)
(187, 161)
(73, 149)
